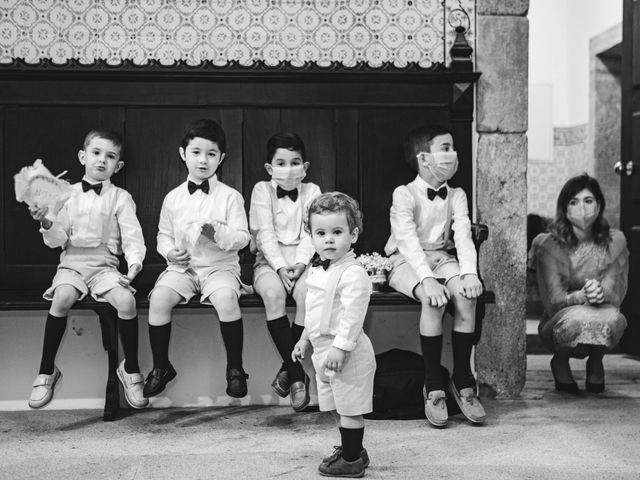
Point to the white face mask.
(442, 165)
(288, 178)
(582, 216)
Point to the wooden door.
(629, 168)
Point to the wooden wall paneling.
(53, 134)
(153, 137)
(232, 168)
(348, 164)
(381, 132)
(317, 128)
(258, 126)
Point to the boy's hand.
(335, 360)
(296, 271)
(593, 291)
(209, 231)
(283, 273)
(470, 286)
(39, 215)
(178, 256)
(134, 270)
(436, 293)
(299, 349)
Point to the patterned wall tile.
(298, 31)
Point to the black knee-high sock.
(282, 337)
(431, 353)
(53, 331)
(351, 443)
(159, 337)
(462, 344)
(296, 332)
(129, 339)
(233, 336)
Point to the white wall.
(559, 34)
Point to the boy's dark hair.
(288, 141)
(111, 135)
(335, 202)
(419, 140)
(562, 229)
(207, 129)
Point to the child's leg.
(463, 335)
(430, 341)
(352, 433)
(63, 299)
(122, 300)
(161, 304)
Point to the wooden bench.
(25, 300)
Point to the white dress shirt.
(183, 215)
(419, 224)
(280, 221)
(81, 219)
(349, 309)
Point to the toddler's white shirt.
(223, 204)
(80, 222)
(286, 227)
(349, 307)
(420, 225)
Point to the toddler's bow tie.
(441, 192)
(192, 186)
(86, 186)
(316, 261)
(292, 194)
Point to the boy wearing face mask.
(202, 226)
(283, 249)
(423, 215)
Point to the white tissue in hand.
(36, 185)
(188, 235)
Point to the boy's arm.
(261, 218)
(165, 239)
(235, 234)
(305, 249)
(405, 232)
(461, 226)
(354, 290)
(57, 234)
(130, 230)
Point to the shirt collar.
(212, 181)
(105, 183)
(349, 255)
(422, 183)
(275, 186)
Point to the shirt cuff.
(344, 344)
(278, 264)
(467, 269)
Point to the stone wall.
(502, 45)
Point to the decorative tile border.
(297, 32)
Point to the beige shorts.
(349, 392)
(202, 281)
(89, 270)
(404, 279)
(261, 265)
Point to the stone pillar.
(502, 52)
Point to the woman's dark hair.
(562, 229)
(288, 141)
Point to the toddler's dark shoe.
(469, 403)
(337, 453)
(236, 382)
(299, 395)
(157, 380)
(341, 468)
(282, 383)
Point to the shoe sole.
(155, 392)
(126, 397)
(278, 391)
(456, 397)
(53, 387)
(343, 475)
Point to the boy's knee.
(160, 302)
(273, 297)
(124, 303)
(225, 301)
(65, 296)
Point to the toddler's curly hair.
(335, 202)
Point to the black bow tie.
(316, 261)
(441, 192)
(86, 186)
(292, 194)
(192, 186)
